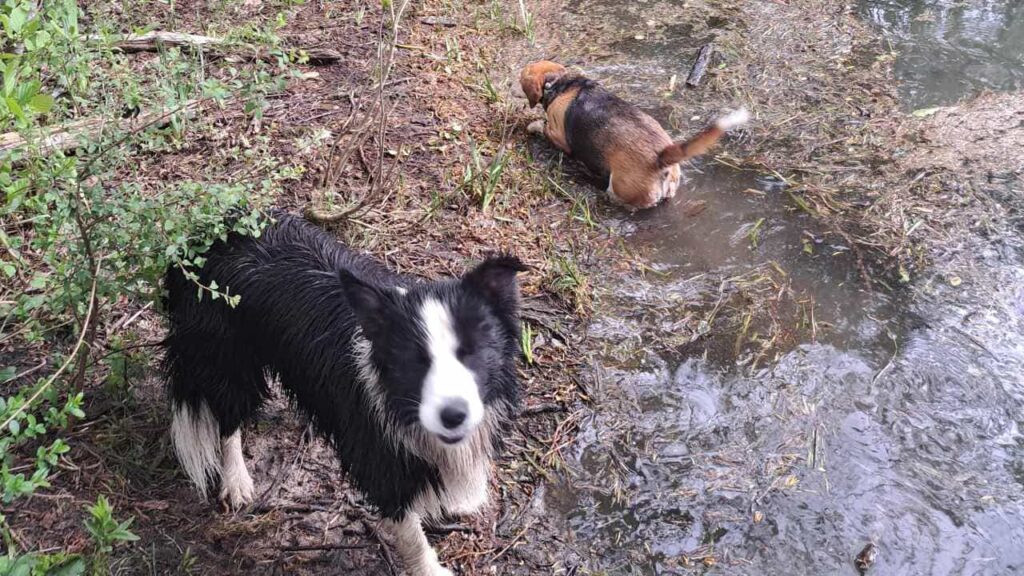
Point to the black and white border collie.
(413, 383)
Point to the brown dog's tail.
(702, 142)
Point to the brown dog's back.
(612, 137)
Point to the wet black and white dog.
(413, 383)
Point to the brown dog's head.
(533, 77)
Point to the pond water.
(889, 420)
(951, 49)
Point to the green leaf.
(74, 567)
(123, 533)
(23, 566)
(11, 76)
(15, 109)
(18, 18)
(38, 40)
(41, 103)
(7, 373)
(15, 427)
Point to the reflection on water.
(950, 49)
(793, 469)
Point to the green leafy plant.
(104, 529)
(106, 532)
(58, 564)
(23, 427)
(526, 342)
(80, 233)
(481, 178)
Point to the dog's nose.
(454, 413)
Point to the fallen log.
(152, 41)
(68, 136)
(700, 66)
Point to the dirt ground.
(826, 121)
(446, 122)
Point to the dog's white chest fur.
(465, 477)
(466, 489)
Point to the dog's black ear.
(367, 302)
(495, 279)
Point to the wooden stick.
(152, 41)
(319, 547)
(545, 408)
(68, 136)
(700, 65)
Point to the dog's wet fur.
(613, 138)
(412, 382)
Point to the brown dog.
(612, 137)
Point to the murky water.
(887, 420)
(951, 49)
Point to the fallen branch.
(700, 66)
(69, 136)
(546, 408)
(445, 529)
(153, 41)
(321, 547)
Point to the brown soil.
(427, 222)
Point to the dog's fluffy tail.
(195, 433)
(702, 142)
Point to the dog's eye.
(547, 85)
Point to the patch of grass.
(453, 50)
(481, 178)
(526, 342)
(489, 91)
(527, 27)
(569, 282)
(581, 208)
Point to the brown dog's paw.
(536, 127)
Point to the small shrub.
(80, 232)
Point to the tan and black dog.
(612, 137)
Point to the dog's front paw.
(536, 127)
(236, 490)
